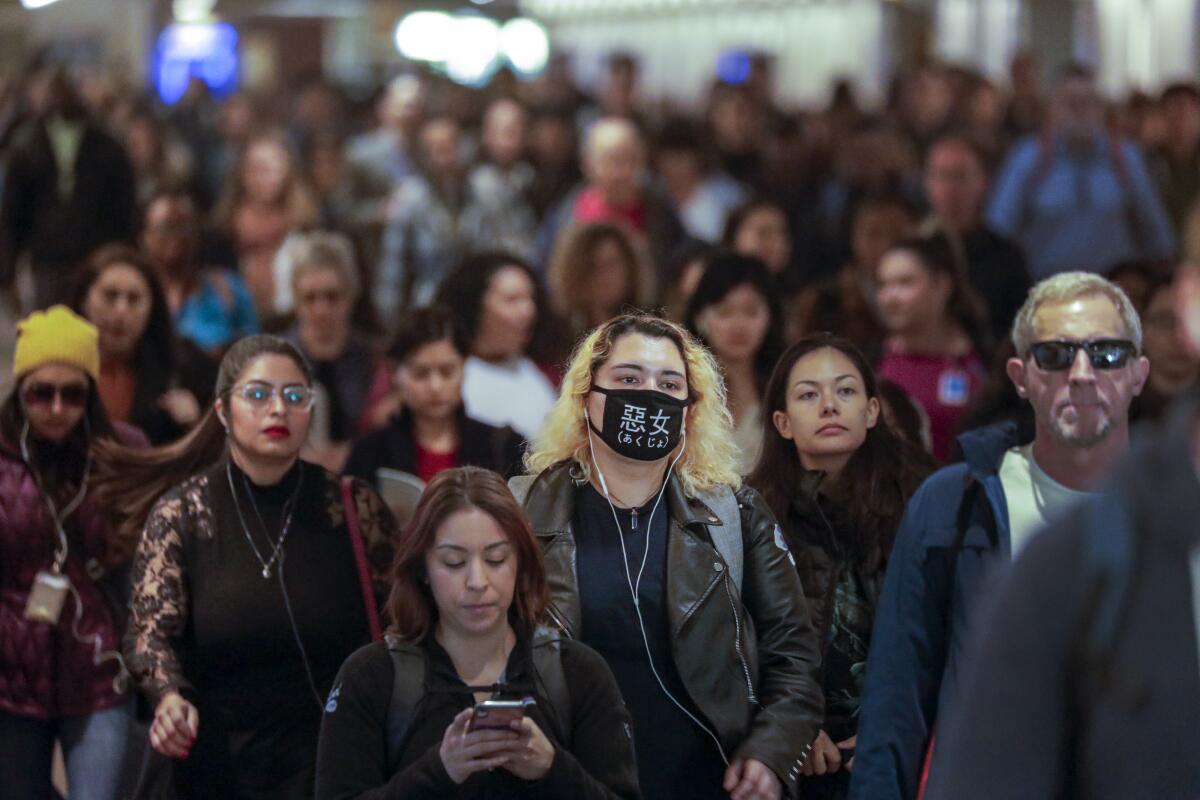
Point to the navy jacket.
(922, 622)
(1063, 700)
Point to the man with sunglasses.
(1086, 684)
(1079, 365)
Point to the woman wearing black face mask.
(658, 559)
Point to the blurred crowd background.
(612, 147)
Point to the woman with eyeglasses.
(60, 570)
(256, 575)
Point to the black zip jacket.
(748, 659)
(352, 757)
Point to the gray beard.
(1081, 441)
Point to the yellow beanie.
(57, 335)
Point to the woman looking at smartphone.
(468, 590)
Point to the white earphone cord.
(635, 588)
(99, 656)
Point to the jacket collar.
(551, 501)
(984, 448)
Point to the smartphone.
(497, 714)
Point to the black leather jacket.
(749, 663)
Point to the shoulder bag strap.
(360, 558)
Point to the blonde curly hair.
(709, 457)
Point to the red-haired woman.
(468, 592)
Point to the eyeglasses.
(72, 395)
(260, 395)
(1056, 356)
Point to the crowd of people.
(695, 447)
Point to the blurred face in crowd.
(325, 166)
(679, 170)
(439, 146)
(910, 296)
(734, 121)
(237, 118)
(1181, 119)
(141, 143)
(54, 398)
(507, 315)
(118, 304)
(955, 184)
(504, 133)
(614, 160)
(736, 325)
(262, 423)
(323, 302)
(551, 142)
(403, 104)
(1079, 406)
(608, 282)
(986, 107)
(928, 99)
(764, 234)
(1078, 112)
(472, 570)
(265, 171)
(1173, 365)
(430, 380)
(828, 411)
(875, 229)
(169, 233)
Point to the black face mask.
(641, 424)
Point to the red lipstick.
(277, 432)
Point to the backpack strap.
(727, 537)
(408, 687)
(547, 663)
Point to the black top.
(207, 623)
(395, 447)
(676, 758)
(353, 757)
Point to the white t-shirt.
(1033, 496)
(514, 393)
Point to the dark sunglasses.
(43, 394)
(1103, 353)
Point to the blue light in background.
(206, 50)
(733, 67)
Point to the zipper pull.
(633, 526)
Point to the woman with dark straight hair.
(148, 377)
(736, 312)
(936, 346)
(837, 479)
(468, 594)
(256, 574)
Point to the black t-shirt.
(676, 757)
